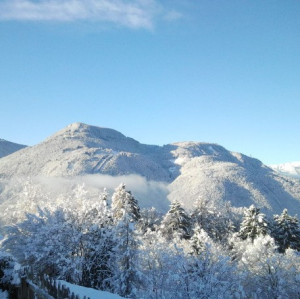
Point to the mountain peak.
(191, 169)
(82, 130)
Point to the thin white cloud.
(133, 14)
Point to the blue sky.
(225, 72)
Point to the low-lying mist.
(21, 195)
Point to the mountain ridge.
(191, 169)
(8, 147)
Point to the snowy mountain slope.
(7, 147)
(242, 181)
(192, 169)
(81, 149)
(289, 169)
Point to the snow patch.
(88, 292)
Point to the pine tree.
(177, 222)
(123, 203)
(126, 213)
(286, 231)
(198, 240)
(253, 225)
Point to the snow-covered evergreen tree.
(126, 213)
(125, 275)
(198, 240)
(176, 222)
(253, 224)
(123, 203)
(286, 231)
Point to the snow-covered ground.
(88, 292)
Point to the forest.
(111, 244)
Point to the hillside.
(189, 169)
(81, 149)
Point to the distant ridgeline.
(7, 148)
(183, 171)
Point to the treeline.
(208, 253)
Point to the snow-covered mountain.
(7, 147)
(290, 169)
(82, 149)
(190, 169)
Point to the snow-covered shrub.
(268, 273)
(9, 273)
(64, 243)
(216, 220)
(181, 268)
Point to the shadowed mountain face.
(7, 147)
(191, 169)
